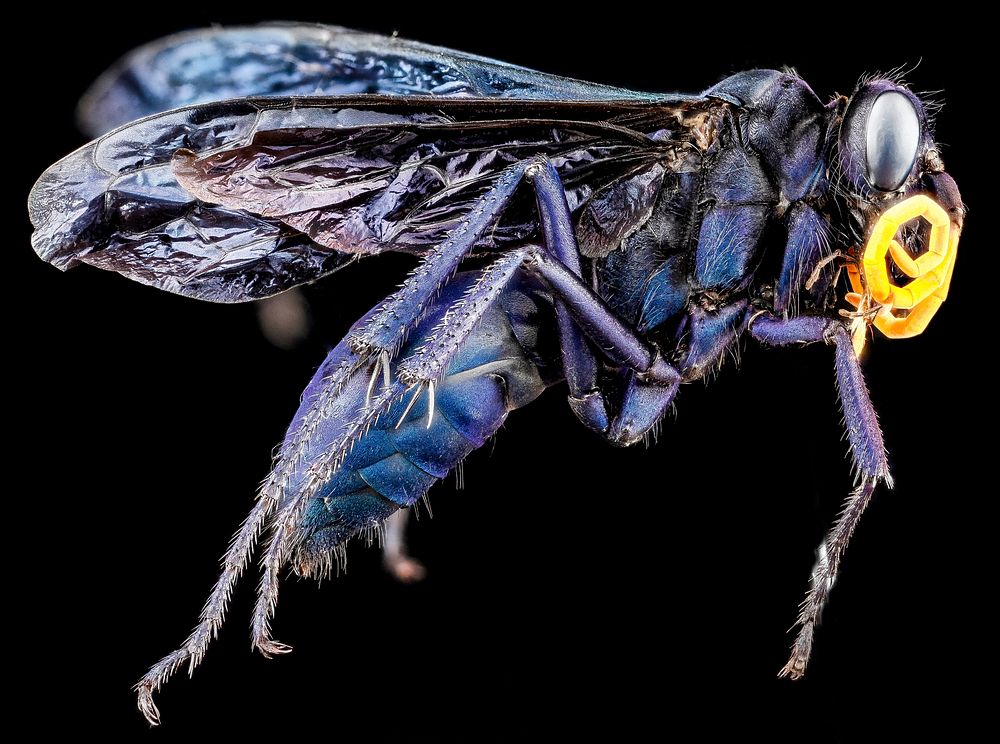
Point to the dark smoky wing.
(116, 205)
(303, 59)
(405, 187)
(239, 200)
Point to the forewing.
(357, 175)
(116, 205)
(409, 185)
(302, 59)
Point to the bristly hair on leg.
(426, 365)
(387, 328)
(234, 562)
(867, 449)
(212, 614)
(864, 435)
(369, 341)
(284, 539)
(824, 574)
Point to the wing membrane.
(408, 185)
(303, 59)
(116, 205)
(355, 174)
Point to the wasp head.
(905, 212)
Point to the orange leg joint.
(903, 311)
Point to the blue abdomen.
(391, 467)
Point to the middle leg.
(584, 319)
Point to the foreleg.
(863, 430)
(867, 452)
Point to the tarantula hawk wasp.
(628, 240)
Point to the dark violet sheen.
(621, 242)
(297, 59)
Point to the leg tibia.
(395, 318)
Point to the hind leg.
(354, 462)
(332, 421)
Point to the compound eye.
(893, 135)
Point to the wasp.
(567, 233)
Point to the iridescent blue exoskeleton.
(622, 243)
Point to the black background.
(572, 587)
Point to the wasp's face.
(906, 210)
